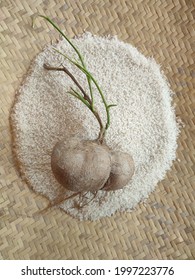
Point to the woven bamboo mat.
(164, 227)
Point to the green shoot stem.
(63, 35)
(71, 76)
(98, 88)
(76, 50)
(88, 74)
(89, 102)
(76, 94)
(85, 98)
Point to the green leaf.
(80, 97)
(63, 35)
(111, 105)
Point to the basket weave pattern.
(164, 227)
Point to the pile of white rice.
(143, 123)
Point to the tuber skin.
(122, 169)
(81, 165)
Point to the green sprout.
(81, 95)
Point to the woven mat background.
(164, 228)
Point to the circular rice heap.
(143, 124)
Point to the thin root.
(61, 199)
(57, 201)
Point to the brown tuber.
(84, 165)
(122, 169)
(81, 165)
